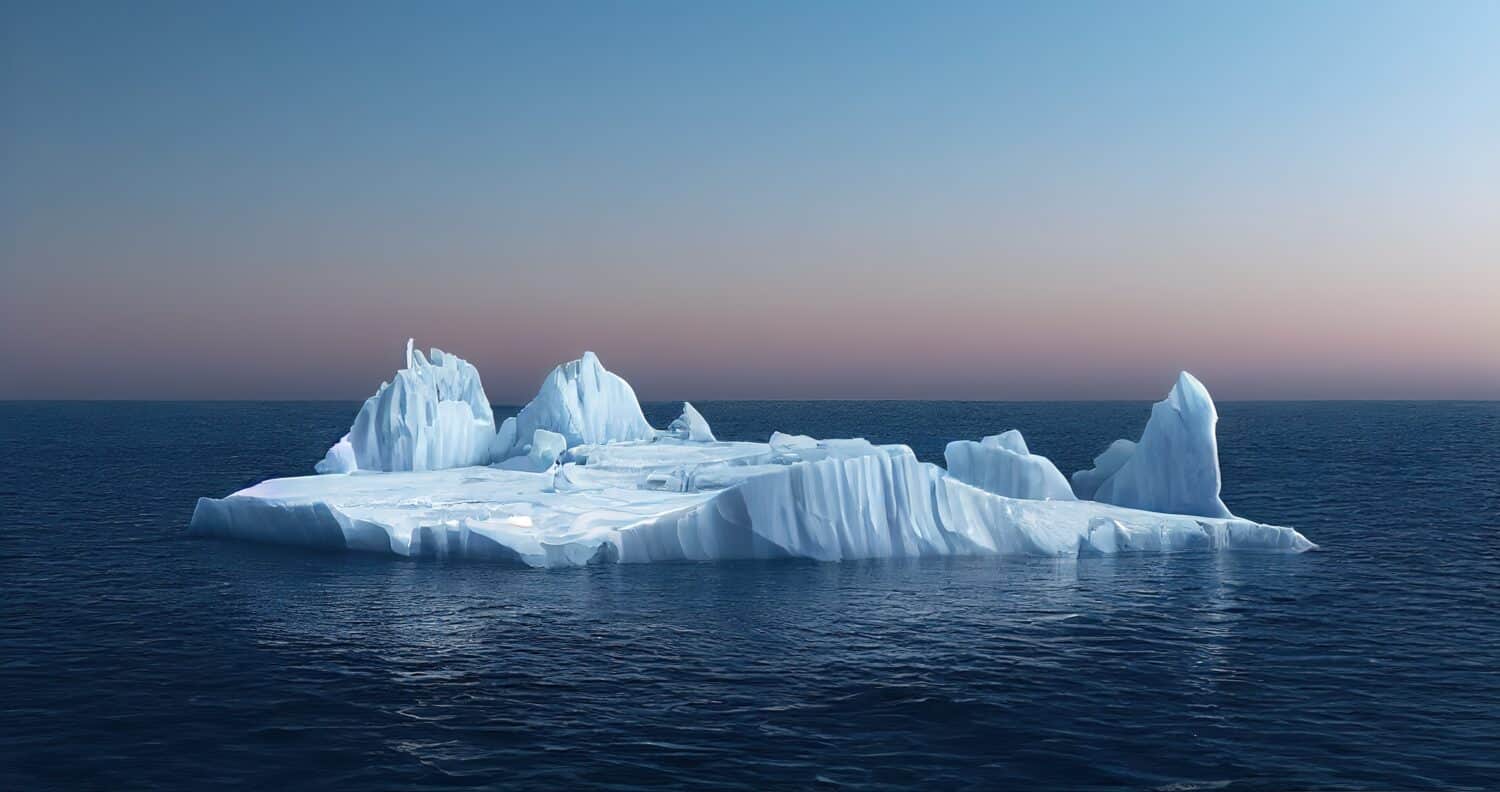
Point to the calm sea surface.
(134, 656)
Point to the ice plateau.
(579, 477)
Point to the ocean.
(134, 656)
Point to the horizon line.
(32, 400)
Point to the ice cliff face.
(889, 505)
(852, 501)
(1175, 465)
(586, 404)
(433, 414)
(1002, 464)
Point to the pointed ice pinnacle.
(431, 415)
(586, 404)
(1175, 466)
(691, 426)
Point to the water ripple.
(133, 657)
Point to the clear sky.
(807, 199)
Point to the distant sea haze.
(214, 362)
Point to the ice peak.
(691, 425)
(586, 404)
(1175, 465)
(427, 417)
(1009, 440)
(1189, 395)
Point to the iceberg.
(1175, 465)
(433, 414)
(586, 404)
(580, 478)
(691, 426)
(1002, 464)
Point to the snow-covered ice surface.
(584, 479)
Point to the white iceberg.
(431, 415)
(1002, 464)
(691, 426)
(611, 489)
(1175, 465)
(586, 404)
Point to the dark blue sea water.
(133, 656)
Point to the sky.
(992, 200)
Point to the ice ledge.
(880, 504)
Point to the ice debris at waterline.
(579, 477)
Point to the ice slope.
(1002, 464)
(586, 404)
(855, 501)
(431, 415)
(666, 464)
(1086, 482)
(1175, 465)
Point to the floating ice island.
(579, 476)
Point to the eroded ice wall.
(433, 414)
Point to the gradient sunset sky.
(746, 200)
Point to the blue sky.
(1059, 200)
